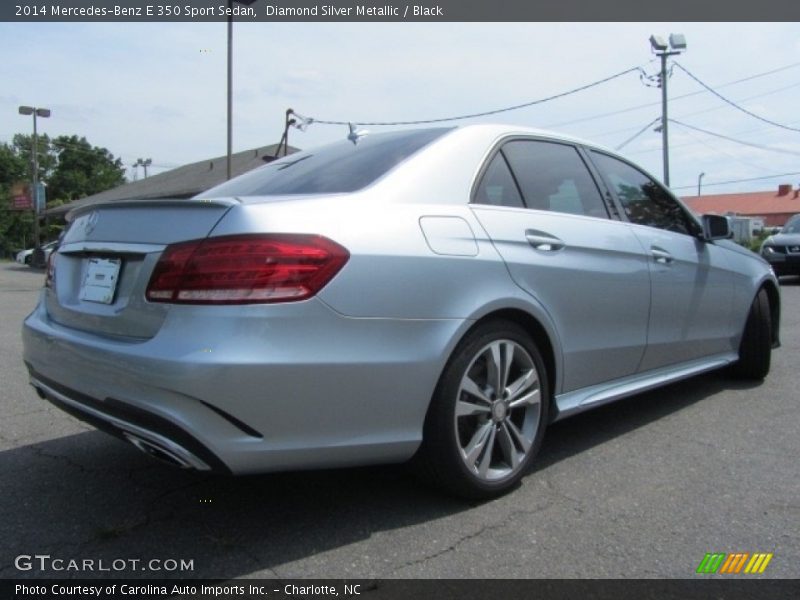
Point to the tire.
(755, 349)
(478, 443)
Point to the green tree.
(70, 166)
(82, 169)
(16, 227)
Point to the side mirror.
(716, 227)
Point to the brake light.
(50, 274)
(245, 269)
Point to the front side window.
(645, 202)
(553, 176)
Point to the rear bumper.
(148, 432)
(253, 389)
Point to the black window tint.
(338, 168)
(554, 177)
(644, 201)
(497, 186)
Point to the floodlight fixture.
(658, 43)
(677, 41)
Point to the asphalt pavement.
(641, 488)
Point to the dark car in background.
(782, 250)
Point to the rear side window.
(341, 167)
(553, 177)
(498, 187)
(550, 176)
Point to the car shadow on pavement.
(584, 431)
(89, 496)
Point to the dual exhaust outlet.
(157, 451)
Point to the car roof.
(502, 130)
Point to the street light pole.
(230, 87)
(44, 113)
(677, 43)
(700, 182)
(664, 119)
(230, 81)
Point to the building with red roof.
(774, 207)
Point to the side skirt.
(572, 403)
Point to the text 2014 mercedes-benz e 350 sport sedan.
(439, 295)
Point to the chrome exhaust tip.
(157, 451)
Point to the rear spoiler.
(80, 210)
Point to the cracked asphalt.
(642, 488)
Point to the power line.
(700, 112)
(736, 141)
(686, 144)
(480, 114)
(693, 185)
(638, 133)
(681, 97)
(732, 103)
(761, 95)
(721, 151)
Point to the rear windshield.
(340, 167)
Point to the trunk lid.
(107, 255)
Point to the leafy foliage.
(70, 166)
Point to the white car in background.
(24, 257)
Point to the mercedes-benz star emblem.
(91, 222)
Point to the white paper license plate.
(101, 278)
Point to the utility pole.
(44, 113)
(143, 163)
(677, 44)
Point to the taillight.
(245, 269)
(50, 275)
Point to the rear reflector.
(245, 269)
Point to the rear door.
(692, 284)
(104, 262)
(547, 218)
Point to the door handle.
(543, 241)
(661, 256)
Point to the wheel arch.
(774, 296)
(544, 341)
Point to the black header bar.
(334, 11)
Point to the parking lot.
(642, 488)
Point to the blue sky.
(158, 90)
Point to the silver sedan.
(436, 295)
